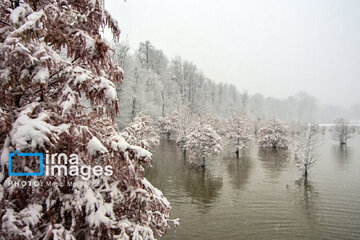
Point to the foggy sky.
(276, 48)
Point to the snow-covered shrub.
(219, 124)
(168, 125)
(40, 111)
(141, 132)
(238, 133)
(202, 143)
(179, 123)
(274, 134)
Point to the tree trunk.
(342, 140)
(163, 104)
(203, 163)
(133, 111)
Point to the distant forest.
(157, 85)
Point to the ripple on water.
(257, 197)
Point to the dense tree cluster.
(160, 85)
(205, 136)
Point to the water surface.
(261, 195)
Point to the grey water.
(261, 195)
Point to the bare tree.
(342, 131)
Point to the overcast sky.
(276, 48)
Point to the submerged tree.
(306, 146)
(342, 131)
(238, 133)
(202, 143)
(273, 135)
(168, 125)
(41, 111)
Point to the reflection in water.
(274, 161)
(307, 199)
(327, 207)
(201, 186)
(341, 153)
(172, 174)
(168, 160)
(239, 170)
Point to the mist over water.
(261, 195)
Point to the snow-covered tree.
(202, 143)
(185, 123)
(151, 58)
(274, 134)
(141, 132)
(168, 125)
(342, 131)
(238, 133)
(160, 86)
(145, 84)
(41, 111)
(305, 148)
(244, 97)
(219, 124)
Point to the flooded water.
(260, 196)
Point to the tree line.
(158, 85)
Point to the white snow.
(109, 89)
(41, 76)
(18, 15)
(141, 153)
(119, 144)
(31, 214)
(70, 99)
(95, 147)
(30, 132)
(32, 23)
